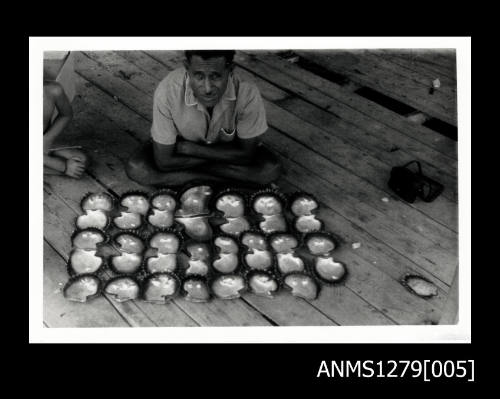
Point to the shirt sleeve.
(163, 130)
(251, 120)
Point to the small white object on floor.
(436, 83)
(356, 245)
(385, 199)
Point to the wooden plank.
(353, 107)
(442, 62)
(270, 311)
(86, 96)
(450, 311)
(59, 312)
(372, 134)
(354, 66)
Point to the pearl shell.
(282, 243)
(420, 286)
(303, 206)
(128, 220)
(164, 202)
(320, 245)
(267, 205)
(254, 241)
(87, 239)
(160, 288)
(126, 263)
(226, 245)
(85, 261)
(228, 286)
(194, 201)
(226, 263)
(97, 201)
(263, 285)
(165, 243)
(129, 243)
(259, 260)
(162, 263)
(136, 203)
(289, 263)
(161, 219)
(235, 226)
(273, 223)
(92, 218)
(82, 288)
(307, 224)
(302, 286)
(196, 290)
(328, 269)
(197, 228)
(231, 205)
(122, 289)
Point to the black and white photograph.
(256, 184)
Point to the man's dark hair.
(206, 54)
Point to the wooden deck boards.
(333, 143)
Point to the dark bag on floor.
(408, 184)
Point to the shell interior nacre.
(228, 286)
(85, 261)
(320, 245)
(282, 243)
(307, 224)
(98, 201)
(235, 226)
(303, 206)
(254, 241)
(259, 260)
(88, 239)
(226, 262)
(273, 223)
(164, 202)
(197, 228)
(226, 245)
(162, 263)
(166, 243)
(421, 286)
(194, 201)
(328, 269)
(302, 286)
(196, 290)
(92, 218)
(129, 243)
(126, 263)
(161, 219)
(128, 220)
(289, 263)
(267, 205)
(160, 288)
(262, 284)
(136, 203)
(231, 205)
(122, 289)
(81, 288)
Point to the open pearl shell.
(254, 241)
(328, 269)
(196, 290)
(166, 243)
(162, 263)
(197, 228)
(136, 203)
(88, 239)
(82, 288)
(161, 219)
(226, 245)
(259, 260)
(303, 206)
(92, 218)
(318, 245)
(97, 201)
(85, 261)
(267, 205)
(273, 223)
(302, 286)
(194, 201)
(226, 262)
(289, 263)
(160, 288)
(263, 285)
(164, 202)
(129, 243)
(122, 289)
(228, 286)
(126, 263)
(420, 286)
(307, 224)
(231, 205)
(128, 220)
(282, 243)
(235, 226)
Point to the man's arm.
(167, 160)
(240, 151)
(65, 114)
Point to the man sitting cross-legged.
(206, 125)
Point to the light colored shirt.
(176, 112)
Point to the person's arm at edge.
(241, 151)
(167, 160)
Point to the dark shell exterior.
(307, 224)
(231, 203)
(420, 286)
(135, 202)
(320, 243)
(97, 201)
(328, 270)
(97, 219)
(302, 204)
(160, 288)
(235, 226)
(263, 284)
(198, 227)
(268, 202)
(126, 263)
(160, 218)
(228, 286)
(166, 242)
(128, 221)
(194, 201)
(83, 261)
(82, 288)
(196, 289)
(90, 238)
(163, 200)
(284, 242)
(129, 242)
(302, 285)
(122, 288)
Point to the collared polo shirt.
(176, 112)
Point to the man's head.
(209, 72)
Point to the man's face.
(208, 79)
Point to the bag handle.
(418, 164)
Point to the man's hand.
(74, 168)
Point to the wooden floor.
(334, 140)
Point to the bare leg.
(141, 169)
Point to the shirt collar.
(229, 94)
